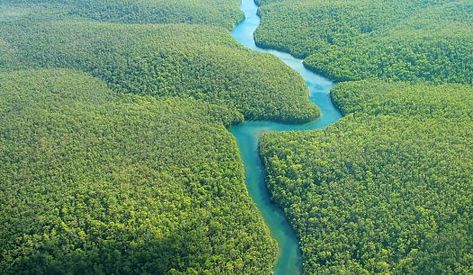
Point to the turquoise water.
(247, 135)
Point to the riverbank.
(248, 133)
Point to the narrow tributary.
(247, 135)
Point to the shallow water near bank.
(247, 136)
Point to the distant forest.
(353, 40)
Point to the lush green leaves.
(352, 40)
(94, 182)
(377, 195)
(165, 60)
(211, 12)
(387, 189)
(224, 13)
(421, 100)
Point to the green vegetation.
(95, 182)
(224, 13)
(353, 40)
(120, 161)
(32, 13)
(115, 157)
(164, 60)
(450, 101)
(210, 12)
(387, 189)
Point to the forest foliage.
(121, 161)
(387, 189)
(222, 13)
(163, 60)
(97, 182)
(353, 40)
(422, 100)
(377, 195)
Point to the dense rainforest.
(97, 182)
(114, 148)
(422, 100)
(387, 189)
(163, 60)
(115, 154)
(353, 40)
(389, 194)
(222, 13)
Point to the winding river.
(247, 135)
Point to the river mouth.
(247, 135)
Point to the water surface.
(247, 135)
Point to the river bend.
(247, 136)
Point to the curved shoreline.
(247, 136)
